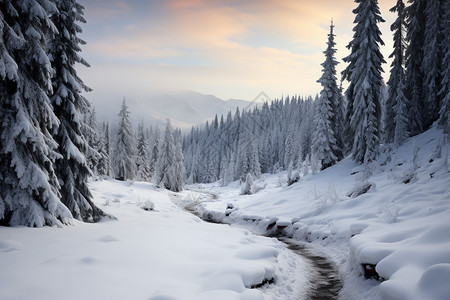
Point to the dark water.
(324, 282)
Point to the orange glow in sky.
(231, 49)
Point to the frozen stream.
(324, 280)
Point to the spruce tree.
(124, 166)
(104, 164)
(154, 151)
(29, 188)
(142, 155)
(431, 61)
(415, 19)
(169, 167)
(444, 93)
(365, 80)
(327, 114)
(69, 105)
(395, 113)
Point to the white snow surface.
(154, 250)
(403, 228)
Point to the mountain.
(184, 108)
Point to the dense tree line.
(51, 141)
(258, 140)
(143, 154)
(294, 133)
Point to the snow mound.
(166, 254)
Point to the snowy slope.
(166, 254)
(403, 228)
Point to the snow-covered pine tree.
(325, 144)
(178, 168)
(444, 93)
(246, 188)
(395, 111)
(104, 164)
(69, 105)
(142, 155)
(415, 36)
(169, 167)
(366, 80)
(154, 151)
(432, 59)
(124, 167)
(92, 136)
(247, 160)
(29, 189)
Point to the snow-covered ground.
(164, 253)
(402, 224)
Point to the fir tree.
(415, 18)
(69, 105)
(431, 61)
(154, 151)
(395, 113)
(104, 164)
(169, 167)
(366, 81)
(124, 166)
(91, 134)
(326, 119)
(142, 155)
(29, 188)
(444, 93)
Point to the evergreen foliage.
(142, 155)
(169, 167)
(124, 167)
(265, 139)
(395, 110)
(69, 105)
(415, 18)
(328, 114)
(29, 188)
(364, 74)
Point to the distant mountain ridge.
(184, 108)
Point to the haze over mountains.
(183, 108)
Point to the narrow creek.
(324, 282)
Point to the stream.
(324, 282)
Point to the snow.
(403, 229)
(154, 250)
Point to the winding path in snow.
(324, 282)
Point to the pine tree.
(69, 105)
(415, 19)
(366, 81)
(396, 101)
(154, 151)
(247, 160)
(169, 167)
(29, 188)
(431, 61)
(124, 166)
(142, 155)
(326, 119)
(444, 93)
(104, 165)
(91, 134)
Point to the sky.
(233, 49)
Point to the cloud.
(233, 49)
